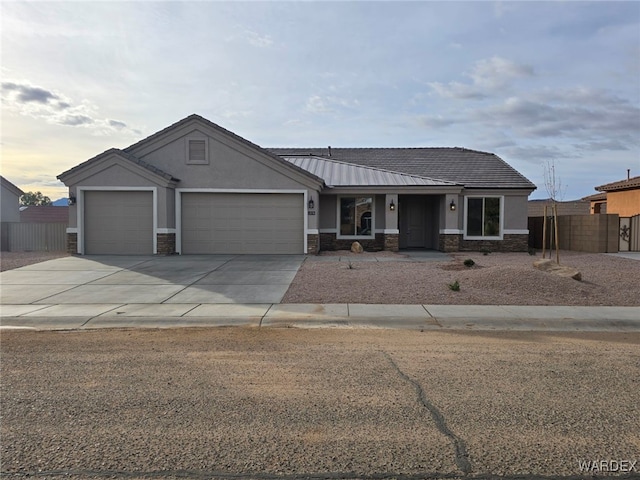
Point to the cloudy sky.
(533, 82)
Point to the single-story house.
(597, 203)
(622, 197)
(196, 188)
(10, 209)
(10, 198)
(570, 207)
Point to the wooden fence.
(34, 237)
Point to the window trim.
(466, 217)
(373, 217)
(200, 138)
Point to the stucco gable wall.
(10, 206)
(122, 175)
(231, 164)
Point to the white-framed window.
(356, 216)
(484, 217)
(197, 150)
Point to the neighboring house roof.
(6, 184)
(471, 168)
(126, 156)
(222, 130)
(595, 197)
(629, 184)
(535, 208)
(44, 214)
(340, 174)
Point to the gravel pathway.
(495, 279)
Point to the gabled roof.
(631, 183)
(341, 174)
(126, 156)
(10, 186)
(471, 168)
(194, 117)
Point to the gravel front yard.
(495, 279)
(11, 260)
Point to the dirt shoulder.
(328, 403)
(495, 279)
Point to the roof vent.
(329, 148)
(628, 171)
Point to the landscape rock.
(550, 266)
(356, 247)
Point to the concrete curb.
(412, 317)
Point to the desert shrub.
(469, 263)
(455, 286)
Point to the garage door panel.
(242, 223)
(118, 223)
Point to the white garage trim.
(80, 210)
(178, 205)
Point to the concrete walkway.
(414, 317)
(221, 290)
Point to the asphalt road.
(322, 403)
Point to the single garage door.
(118, 223)
(237, 223)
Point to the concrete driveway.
(146, 280)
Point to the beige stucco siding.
(230, 165)
(328, 212)
(625, 203)
(122, 175)
(10, 206)
(515, 212)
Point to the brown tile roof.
(471, 168)
(595, 197)
(629, 184)
(44, 214)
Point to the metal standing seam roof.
(340, 174)
(471, 168)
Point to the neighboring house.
(622, 197)
(196, 188)
(44, 214)
(10, 205)
(572, 207)
(597, 203)
(10, 201)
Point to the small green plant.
(469, 263)
(455, 286)
(350, 265)
(485, 251)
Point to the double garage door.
(121, 223)
(238, 223)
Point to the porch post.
(391, 232)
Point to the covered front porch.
(388, 221)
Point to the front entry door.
(413, 223)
